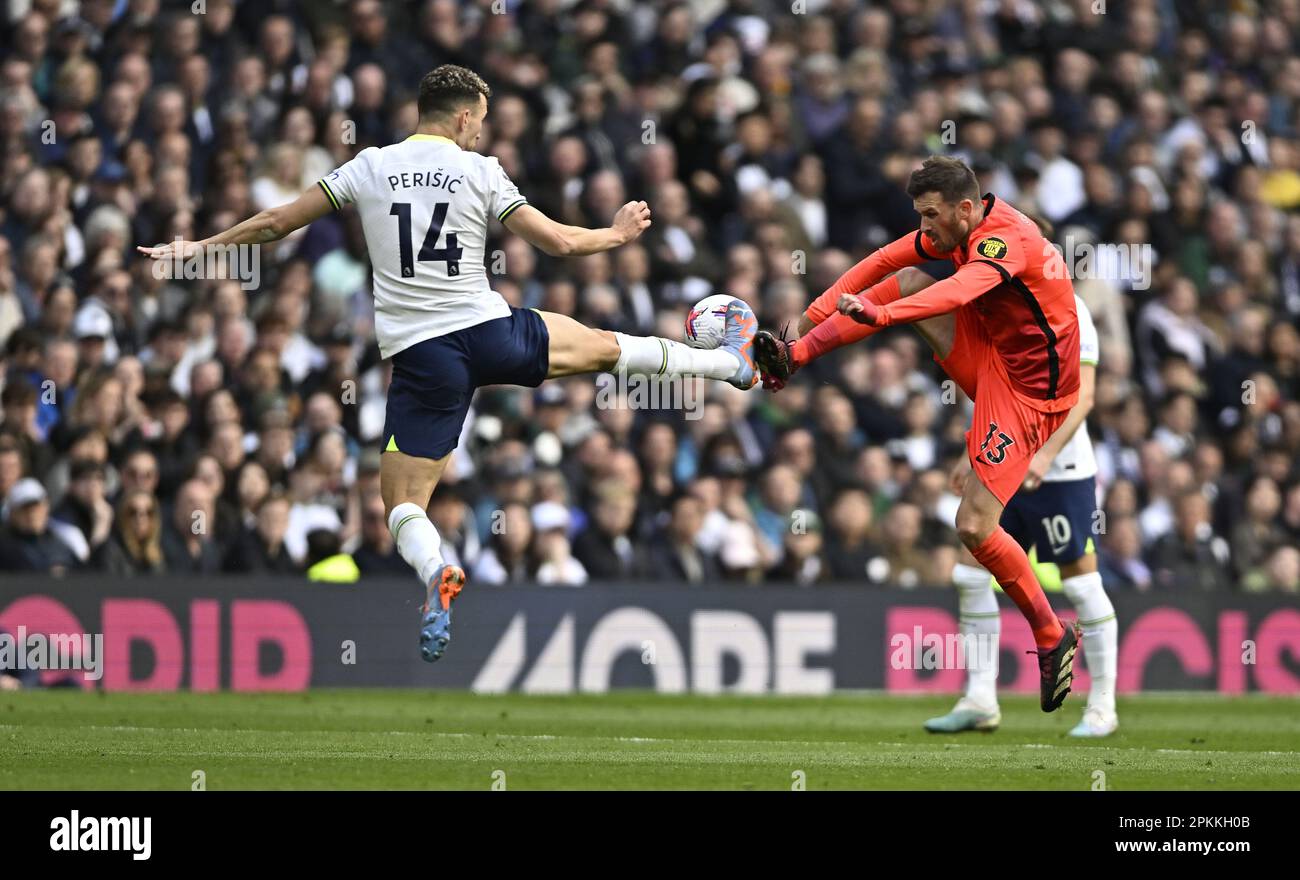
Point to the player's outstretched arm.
(560, 240)
(970, 281)
(266, 226)
(899, 254)
(850, 325)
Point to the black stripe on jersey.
(988, 208)
(1053, 359)
(511, 209)
(329, 195)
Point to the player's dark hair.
(951, 178)
(449, 87)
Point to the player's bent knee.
(592, 351)
(912, 280)
(974, 524)
(608, 350)
(577, 348)
(973, 530)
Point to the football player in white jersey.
(425, 206)
(1053, 512)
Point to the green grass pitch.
(373, 739)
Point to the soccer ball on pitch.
(707, 321)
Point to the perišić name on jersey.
(439, 179)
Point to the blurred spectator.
(187, 540)
(311, 509)
(260, 547)
(135, 546)
(1120, 556)
(18, 421)
(605, 548)
(1171, 326)
(455, 523)
(1191, 556)
(779, 495)
(556, 566)
(251, 487)
(506, 558)
(27, 541)
(1256, 536)
(140, 472)
(675, 554)
(377, 552)
(802, 561)
(326, 560)
(1281, 573)
(905, 562)
(13, 463)
(849, 547)
(85, 507)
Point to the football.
(707, 320)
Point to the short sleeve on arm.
(503, 196)
(343, 184)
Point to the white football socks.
(417, 540)
(655, 356)
(978, 610)
(1100, 635)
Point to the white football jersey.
(425, 205)
(1076, 461)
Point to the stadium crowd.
(160, 426)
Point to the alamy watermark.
(636, 391)
(239, 262)
(917, 650)
(1106, 261)
(70, 651)
(78, 833)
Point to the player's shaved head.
(449, 88)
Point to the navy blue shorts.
(1057, 518)
(434, 380)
